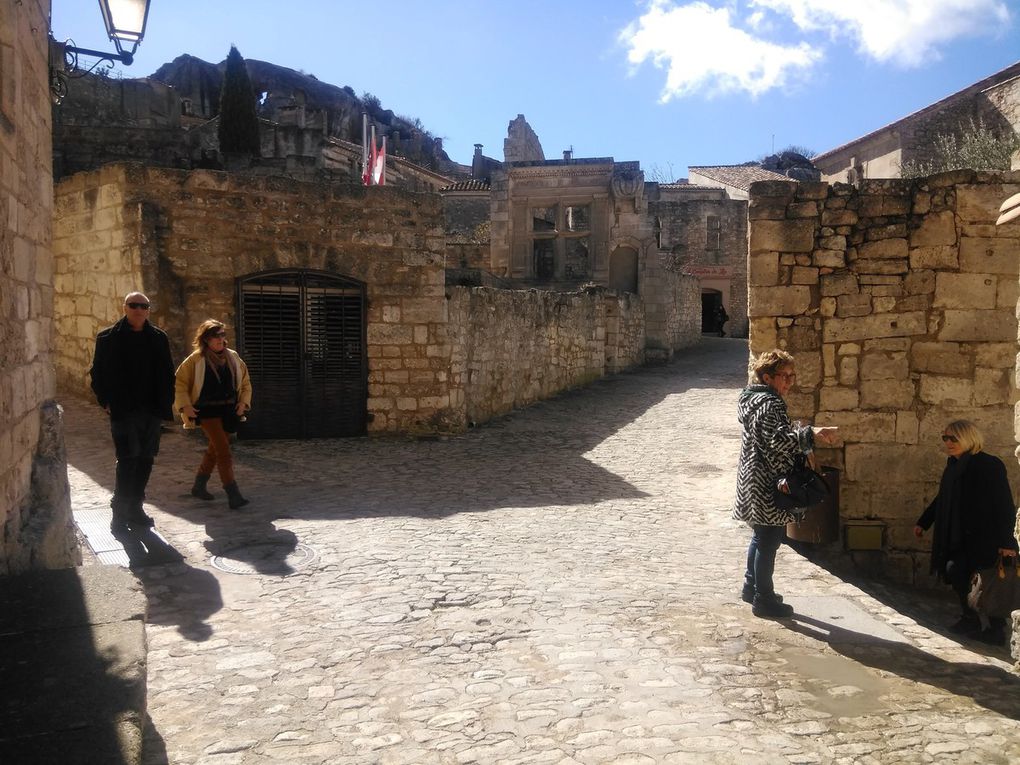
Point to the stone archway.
(623, 270)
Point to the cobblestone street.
(559, 586)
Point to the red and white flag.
(379, 164)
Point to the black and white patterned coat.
(768, 447)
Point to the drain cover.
(265, 558)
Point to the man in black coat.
(133, 379)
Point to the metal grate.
(302, 334)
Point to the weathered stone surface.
(884, 366)
(989, 256)
(934, 257)
(762, 334)
(867, 427)
(907, 426)
(884, 325)
(1008, 294)
(919, 282)
(894, 463)
(882, 267)
(853, 305)
(781, 301)
(886, 394)
(992, 326)
(935, 229)
(804, 275)
(946, 391)
(763, 269)
(995, 355)
(940, 358)
(884, 248)
(991, 386)
(834, 399)
(965, 290)
(980, 203)
(838, 283)
(782, 236)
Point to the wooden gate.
(302, 335)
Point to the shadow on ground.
(994, 689)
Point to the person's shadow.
(249, 544)
(992, 688)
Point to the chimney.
(568, 154)
(476, 163)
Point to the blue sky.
(670, 84)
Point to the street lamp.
(125, 25)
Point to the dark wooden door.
(302, 335)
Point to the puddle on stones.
(841, 687)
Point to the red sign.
(713, 272)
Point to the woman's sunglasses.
(950, 439)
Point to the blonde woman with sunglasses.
(974, 517)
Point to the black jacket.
(129, 376)
(985, 513)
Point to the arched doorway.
(711, 302)
(623, 270)
(302, 335)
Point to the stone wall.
(184, 237)
(35, 517)
(467, 229)
(516, 347)
(898, 301)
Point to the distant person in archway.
(133, 379)
(214, 392)
(768, 447)
(721, 317)
(974, 518)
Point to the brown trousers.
(218, 454)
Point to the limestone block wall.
(515, 347)
(35, 517)
(184, 237)
(672, 303)
(898, 300)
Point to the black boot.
(137, 519)
(200, 489)
(123, 494)
(234, 498)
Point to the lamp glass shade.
(125, 19)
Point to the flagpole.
(365, 169)
(382, 174)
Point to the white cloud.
(906, 32)
(703, 51)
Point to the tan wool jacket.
(191, 375)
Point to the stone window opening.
(561, 245)
(713, 232)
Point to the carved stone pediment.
(628, 185)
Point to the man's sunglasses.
(143, 306)
(950, 439)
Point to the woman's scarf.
(215, 361)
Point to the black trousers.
(136, 441)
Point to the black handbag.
(800, 488)
(995, 591)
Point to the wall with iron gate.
(345, 284)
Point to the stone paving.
(559, 586)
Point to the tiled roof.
(687, 187)
(472, 185)
(737, 176)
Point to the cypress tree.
(239, 122)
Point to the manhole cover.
(274, 560)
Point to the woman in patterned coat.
(768, 447)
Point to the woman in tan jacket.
(214, 392)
